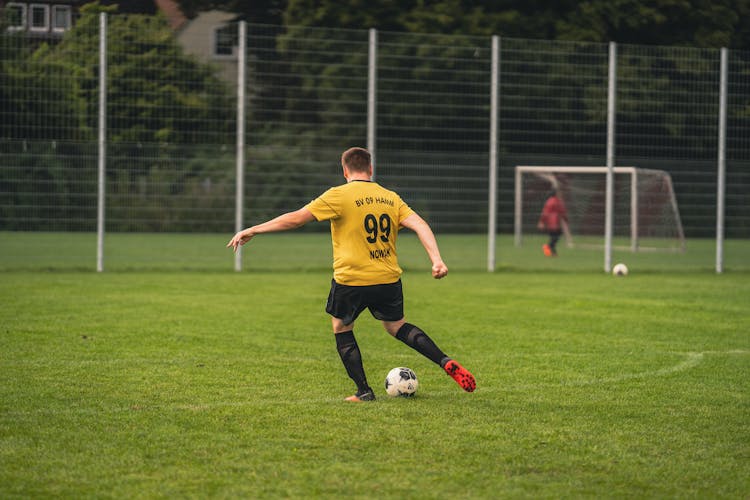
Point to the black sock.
(348, 349)
(420, 342)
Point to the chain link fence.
(171, 143)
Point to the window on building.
(38, 17)
(61, 17)
(16, 16)
(225, 40)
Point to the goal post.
(646, 216)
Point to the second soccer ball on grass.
(620, 269)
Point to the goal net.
(645, 215)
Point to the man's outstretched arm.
(427, 238)
(284, 222)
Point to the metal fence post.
(492, 188)
(372, 96)
(610, 195)
(722, 162)
(240, 158)
(102, 145)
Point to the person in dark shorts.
(365, 219)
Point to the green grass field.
(217, 384)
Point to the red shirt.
(553, 212)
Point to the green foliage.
(156, 93)
(168, 112)
(170, 187)
(325, 87)
(38, 94)
(43, 185)
(714, 24)
(723, 23)
(166, 117)
(283, 179)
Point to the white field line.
(692, 359)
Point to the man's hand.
(240, 239)
(439, 270)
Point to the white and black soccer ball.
(402, 382)
(620, 269)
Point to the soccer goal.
(646, 216)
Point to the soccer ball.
(620, 269)
(401, 381)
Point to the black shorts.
(385, 302)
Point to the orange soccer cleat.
(461, 375)
(368, 395)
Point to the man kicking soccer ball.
(365, 219)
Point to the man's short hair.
(356, 159)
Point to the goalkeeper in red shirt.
(554, 217)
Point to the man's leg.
(351, 357)
(418, 340)
(554, 237)
(344, 305)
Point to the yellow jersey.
(365, 218)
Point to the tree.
(166, 112)
(156, 93)
(40, 131)
(697, 23)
